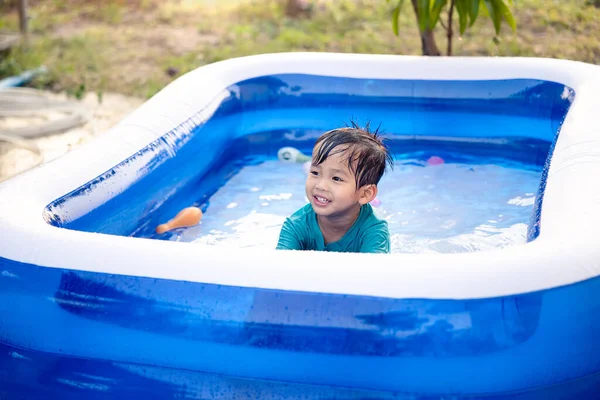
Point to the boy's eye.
(315, 173)
(337, 179)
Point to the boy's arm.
(377, 240)
(288, 237)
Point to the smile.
(321, 201)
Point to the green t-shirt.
(301, 231)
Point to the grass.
(128, 46)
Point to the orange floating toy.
(189, 216)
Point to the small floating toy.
(292, 155)
(435, 160)
(187, 217)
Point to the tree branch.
(449, 29)
(23, 22)
(443, 25)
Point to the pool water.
(469, 203)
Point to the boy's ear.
(367, 194)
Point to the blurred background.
(97, 60)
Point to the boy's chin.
(323, 211)
(329, 211)
(320, 210)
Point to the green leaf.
(503, 10)
(461, 9)
(423, 14)
(483, 8)
(496, 17)
(396, 16)
(434, 15)
(473, 10)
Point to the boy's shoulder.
(374, 235)
(302, 214)
(371, 219)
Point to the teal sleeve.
(288, 237)
(376, 240)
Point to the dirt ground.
(128, 66)
(15, 159)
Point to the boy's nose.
(322, 186)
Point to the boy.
(347, 164)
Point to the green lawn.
(127, 46)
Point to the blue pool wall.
(517, 114)
(104, 334)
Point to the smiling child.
(347, 165)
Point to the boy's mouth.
(321, 201)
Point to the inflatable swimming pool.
(86, 309)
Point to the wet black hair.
(367, 154)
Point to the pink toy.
(376, 202)
(435, 160)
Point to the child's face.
(331, 188)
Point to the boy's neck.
(335, 227)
